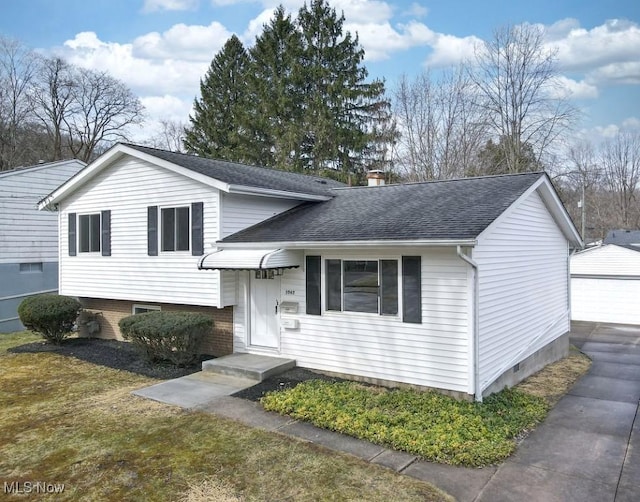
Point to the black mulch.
(112, 353)
(287, 380)
(124, 356)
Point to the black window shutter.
(106, 233)
(411, 289)
(152, 230)
(313, 285)
(72, 234)
(197, 229)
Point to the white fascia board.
(347, 244)
(280, 194)
(112, 155)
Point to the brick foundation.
(219, 343)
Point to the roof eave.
(267, 192)
(348, 244)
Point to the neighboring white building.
(605, 284)
(459, 285)
(28, 237)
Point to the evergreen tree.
(215, 124)
(346, 120)
(272, 122)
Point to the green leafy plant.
(167, 336)
(52, 316)
(431, 425)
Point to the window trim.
(379, 260)
(147, 308)
(160, 224)
(79, 232)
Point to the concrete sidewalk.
(588, 448)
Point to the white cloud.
(156, 5)
(616, 73)
(144, 76)
(181, 41)
(449, 50)
(569, 88)
(416, 10)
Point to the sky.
(162, 48)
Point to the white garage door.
(605, 300)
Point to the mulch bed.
(112, 353)
(124, 356)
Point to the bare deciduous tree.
(101, 110)
(620, 161)
(17, 67)
(171, 136)
(516, 77)
(439, 125)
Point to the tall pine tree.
(215, 129)
(344, 116)
(275, 93)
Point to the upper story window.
(89, 233)
(176, 228)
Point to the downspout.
(475, 325)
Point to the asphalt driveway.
(588, 448)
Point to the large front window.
(362, 286)
(175, 229)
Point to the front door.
(265, 318)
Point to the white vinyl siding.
(127, 188)
(607, 260)
(523, 281)
(242, 211)
(605, 285)
(27, 234)
(434, 353)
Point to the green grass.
(436, 427)
(67, 421)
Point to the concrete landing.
(251, 366)
(194, 390)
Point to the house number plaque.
(290, 292)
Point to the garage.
(605, 285)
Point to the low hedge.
(431, 425)
(52, 316)
(167, 336)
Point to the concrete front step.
(251, 366)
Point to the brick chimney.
(375, 178)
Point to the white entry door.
(265, 312)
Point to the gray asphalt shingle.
(245, 175)
(453, 209)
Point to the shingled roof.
(245, 175)
(453, 209)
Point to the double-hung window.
(362, 286)
(371, 286)
(176, 228)
(89, 231)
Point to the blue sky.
(161, 48)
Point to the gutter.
(477, 389)
(267, 192)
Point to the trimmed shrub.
(167, 336)
(52, 316)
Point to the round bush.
(167, 336)
(52, 316)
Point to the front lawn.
(431, 425)
(75, 423)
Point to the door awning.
(251, 259)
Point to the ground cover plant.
(71, 422)
(431, 425)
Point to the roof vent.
(322, 182)
(375, 178)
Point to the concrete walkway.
(588, 448)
